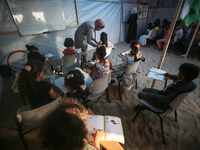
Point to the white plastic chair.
(69, 62)
(96, 89)
(32, 119)
(130, 69)
(172, 107)
(108, 51)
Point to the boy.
(178, 33)
(69, 43)
(182, 83)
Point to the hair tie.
(100, 46)
(69, 76)
(27, 68)
(138, 46)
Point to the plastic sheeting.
(53, 42)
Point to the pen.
(47, 73)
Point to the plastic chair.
(130, 69)
(172, 107)
(69, 62)
(96, 89)
(108, 51)
(27, 120)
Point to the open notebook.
(157, 74)
(112, 125)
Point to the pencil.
(47, 73)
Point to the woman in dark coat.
(132, 30)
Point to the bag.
(5, 71)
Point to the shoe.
(182, 55)
(179, 53)
(112, 81)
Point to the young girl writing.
(130, 57)
(65, 128)
(101, 68)
(69, 43)
(38, 92)
(73, 81)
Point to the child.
(34, 53)
(159, 41)
(143, 38)
(38, 92)
(108, 45)
(69, 43)
(182, 83)
(101, 68)
(65, 128)
(178, 33)
(132, 56)
(73, 81)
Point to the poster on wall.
(167, 3)
(151, 12)
(142, 10)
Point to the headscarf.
(99, 24)
(134, 11)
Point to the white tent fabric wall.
(162, 13)
(52, 42)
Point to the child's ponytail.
(31, 48)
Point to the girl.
(34, 53)
(130, 57)
(166, 30)
(143, 38)
(68, 123)
(38, 92)
(133, 55)
(73, 81)
(109, 46)
(104, 41)
(101, 68)
(69, 43)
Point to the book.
(50, 78)
(153, 73)
(110, 124)
(60, 83)
(122, 54)
(48, 55)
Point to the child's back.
(34, 54)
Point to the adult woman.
(132, 30)
(83, 35)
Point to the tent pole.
(77, 17)
(120, 34)
(178, 7)
(188, 50)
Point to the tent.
(75, 12)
